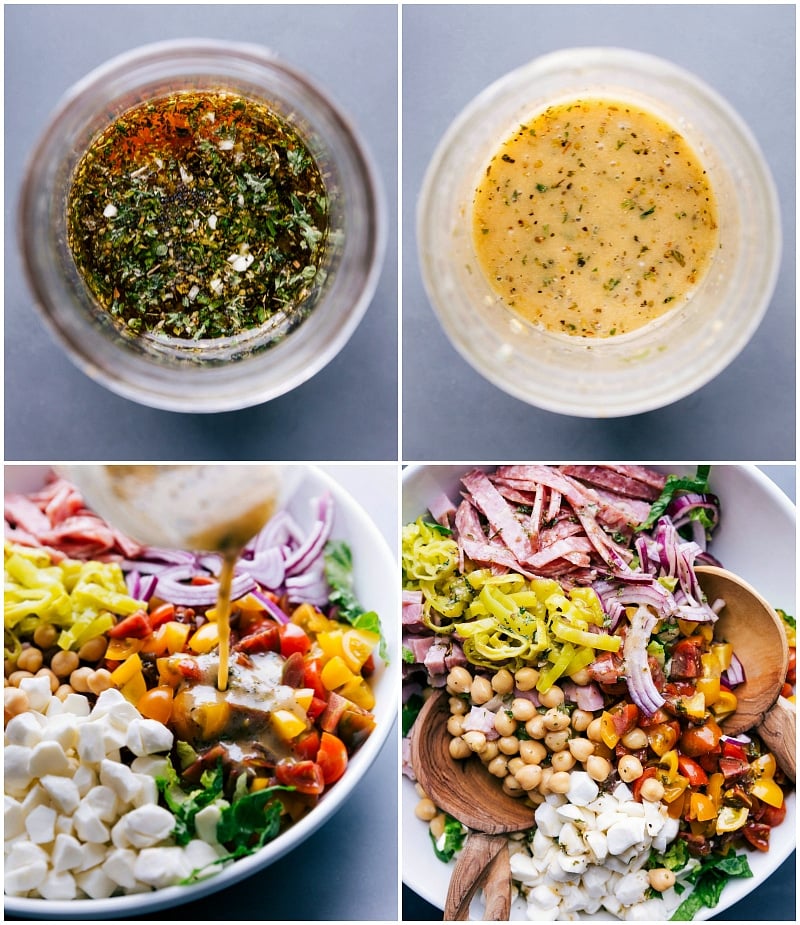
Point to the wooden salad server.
(466, 791)
(754, 630)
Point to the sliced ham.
(23, 513)
(442, 509)
(609, 477)
(497, 511)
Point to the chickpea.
(15, 702)
(503, 681)
(100, 681)
(455, 725)
(544, 783)
(475, 739)
(30, 659)
(652, 790)
(562, 761)
(55, 682)
(635, 739)
(529, 777)
(556, 720)
(535, 797)
(629, 768)
(45, 635)
(522, 710)
(535, 727)
(581, 749)
(508, 745)
(498, 766)
(526, 678)
(598, 768)
(436, 825)
(10, 666)
(581, 678)
(459, 680)
(532, 752)
(419, 791)
(63, 663)
(64, 690)
(557, 741)
(16, 676)
(593, 731)
(488, 752)
(512, 787)
(93, 650)
(459, 749)
(79, 680)
(559, 782)
(458, 707)
(515, 764)
(661, 878)
(481, 691)
(425, 810)
(552, 698)
(504, 723)
(581, 720)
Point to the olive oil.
(199, 215)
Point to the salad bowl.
(374, 576)
(752, 506)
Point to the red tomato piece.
(203, 580)
(162, 614)
(265, 639)
(293, 639)
(733, 750)
(316, 708)
(305, 776)
(757, 833)
(791, 673)
(691, 770)
(332, 757)
(625, 717)
(312, 678)
(686, 659)
(700, 740)
(136, 626)
(772, 815)
(307, 746)
(733, 768)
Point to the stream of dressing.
(214, 509)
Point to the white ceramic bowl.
(755, 539)
(375, 574)
(661, 362)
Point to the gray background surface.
(451, 53)
(774, 900)
(349, 409)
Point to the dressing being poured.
(213, 509)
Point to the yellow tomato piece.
(702, 808)
(724, 654)
(694, 706)
(607, 731)
(124, 672)
(205, 639)
(359, 692)
(212, 718)
(725, 704)
(249, 603)
(335, 673)
(669, 763)
(709, 688)
(287, 725)
(731, 818)
(714, 788)
(120, 649)
(311, 620)
(155, 644)
(168, 672)
(330, 641)
(303, 697)
(357, 646)
(768, 791)
(764, 766)
(134, 689)
(175, 636)
(711, 665)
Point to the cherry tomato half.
(293, 639)
(332, 757)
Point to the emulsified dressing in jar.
(594, 218)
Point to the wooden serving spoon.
(754, 630)
(466, 791)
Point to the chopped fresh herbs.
(339, 574)
(439, 528)
(198, 215)
(648, 212)
(451, 840)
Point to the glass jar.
(664, 360)
(227, 372)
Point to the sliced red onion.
(148, 586)
(173, 590)
(740, 739)
(144, 567)
(267, 567)
(637, 668)
(681, 506)
(133, 581)
(172, 556)
(281, 530)
(210, 563)
(734, 674)
(312, 548)
(270, 606)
